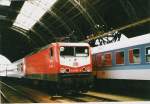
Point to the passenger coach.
(123, 60)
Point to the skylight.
(31, 12)
(5, 2)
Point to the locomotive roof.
(73, 44)
(61, 44)
(139, 40)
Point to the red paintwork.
(41, 63)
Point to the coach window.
(94, 60)
(99, 59)
(51, 52)
(107, 59)
(134, 56)
(120, 57)
(148, 54)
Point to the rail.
(16, 92)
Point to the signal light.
(62, 70)
(84, 69)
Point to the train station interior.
(100, 47)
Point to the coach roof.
(139, 40)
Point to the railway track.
(31, 95)
(44, 97)
(11, 95)
(3, 98)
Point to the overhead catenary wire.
(99, 34)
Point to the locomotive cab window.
(148, 54)
(66, 51)
(134, 56)
(74, 51)
(51, 52)
(81, 51)
(120, 57)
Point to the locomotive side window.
(66, 51)
(81, 51)
(107, 59)
(51, 52)
(134, 56)
(120, 57)
(148, 54)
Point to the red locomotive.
(69, 65)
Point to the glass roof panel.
(5, 2)
(31, 12)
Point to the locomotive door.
(51, 59)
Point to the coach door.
(51, 58)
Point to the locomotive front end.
(75, 66)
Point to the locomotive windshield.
(66, 51)
(81, 51)
(74, 51)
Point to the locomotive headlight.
(84, 69)
(88, 70)
(62, 70)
